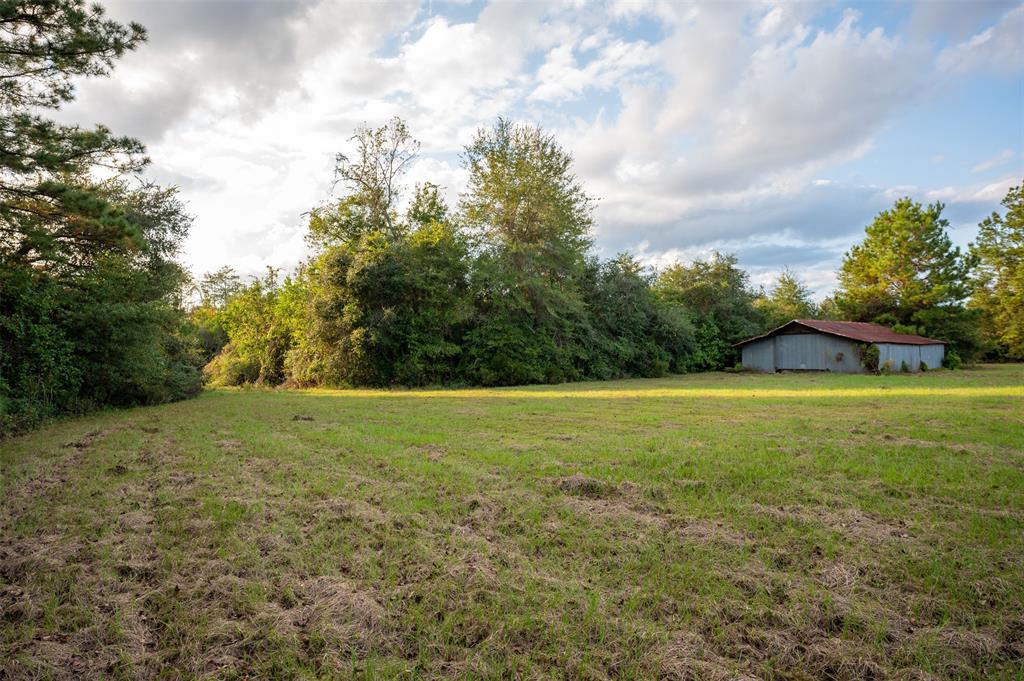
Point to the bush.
(952, 360)
(869, 357)
(109, 335)
(229, 368)
(924, 367)
(887, 366)
(904, 367)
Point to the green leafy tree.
(907, 274)
(217, 288)
(998, 277)
(108, 334)
(372, 181)
(788, 299)
(38, 374)
(531, 220)
(636, 333)
(206, 320)
(427, 207)
(386, 311)
(127, 331)
(829, 309)
(125, 312)
(720, 302)
(387, 297)
(524, 200)
(260, 334)
(47, 43)
(524, 329)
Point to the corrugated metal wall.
(816, 352)
(892, 356)
(759, 355)
(913, 355)
(932, 355)
(808, 351)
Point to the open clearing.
(697, 527)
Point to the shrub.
(904, 367)
(229, 368)
(887, 366)
(952, 360)
(924, 367)
(111, 335)
(869, 357)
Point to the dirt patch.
(101, 644)
(229, 444)
(892, 440)
(470, 411)
(820, 641)
(475, 570)
(564, 437)
(974, 647)
(90, 438)
(302, 417)
(181, 480)
(349, 510)
(56, 473)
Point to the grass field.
(698, 527)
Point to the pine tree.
(998, 278)
(90, 297)
(907, 274)
(788, 299)
(50, 215)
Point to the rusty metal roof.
(859, 331)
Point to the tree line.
(91, 308)
(502, 288)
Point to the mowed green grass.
(696, 527)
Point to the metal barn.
(814, 345)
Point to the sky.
(772, 130)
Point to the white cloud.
(561, 78)
(999, 159)
(713, 129)
(736, 152)
(999, 47)
(992, 192)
